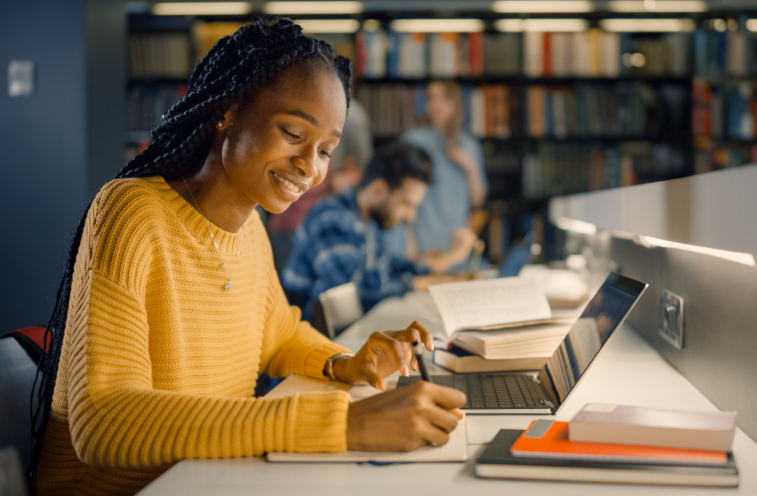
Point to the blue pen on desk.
(418, 351)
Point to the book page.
(489, 302)
(456, 450)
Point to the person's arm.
(476, 181)
(118, 419)
(461, 246)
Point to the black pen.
(418, 350)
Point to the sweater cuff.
(320, 423)
(315, 361)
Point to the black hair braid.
(232, 72)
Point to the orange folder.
(554, 443)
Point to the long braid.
(232, 72)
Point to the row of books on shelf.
(160, 54)
(592, 53)
(147, 103)
(591, 110)
(489, 110)
(724, 110)
(626, 109)
(381, 54)
(724, 53)
(566, 168)
(709, 157)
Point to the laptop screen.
(604, 313)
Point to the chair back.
(12, 480)
(341, 308)
(17, 371)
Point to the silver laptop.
(522, 393)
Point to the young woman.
(441, 234)
(170, 306)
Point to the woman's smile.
(290, 190)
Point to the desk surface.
(627, 371)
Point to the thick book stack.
(619, 444)
(499, 325)
(159, 55)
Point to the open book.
(502, 318)
(491, 304)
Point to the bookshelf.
(556, 112)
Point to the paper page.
(489, 302)
(456, 450)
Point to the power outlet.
(670, 318)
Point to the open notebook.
(456, 450)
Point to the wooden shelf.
(529, 80)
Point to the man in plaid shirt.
(342, 237)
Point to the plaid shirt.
(334, 246)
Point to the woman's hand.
(382, 354)
(405, 418)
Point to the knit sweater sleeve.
(295, 347)
(117, 418)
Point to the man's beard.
(381, 216)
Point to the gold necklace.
(228, 286)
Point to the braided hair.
(232, 72)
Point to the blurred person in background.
(441, 234)
(342, 238)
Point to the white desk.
(628, 371)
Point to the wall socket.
(670, 318)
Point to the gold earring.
(219, 124)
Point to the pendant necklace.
(228, 286)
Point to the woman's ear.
(228, 117)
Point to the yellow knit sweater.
(159, 362)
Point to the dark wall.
(57, 143)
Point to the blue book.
(393, 57)
(549, 116)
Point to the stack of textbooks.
(619, 444)
(498, 325)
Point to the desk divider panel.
(719, 356)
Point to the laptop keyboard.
(495, 391)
